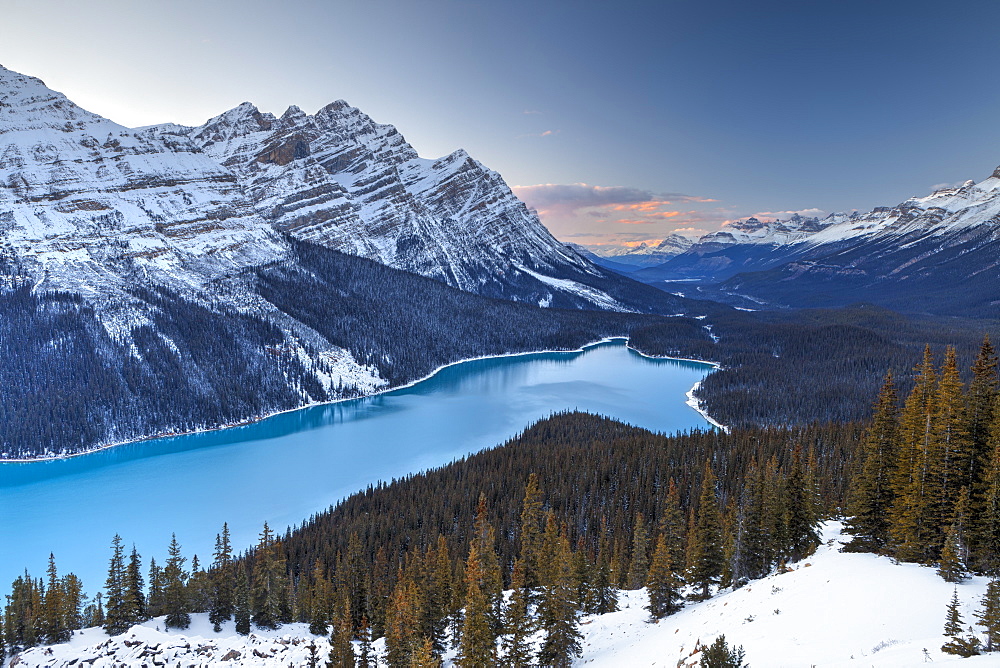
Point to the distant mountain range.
(933, 254)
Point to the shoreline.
(692, 401)
(252, 420)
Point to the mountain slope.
(338, 179)
(877, 613)
(933, 254)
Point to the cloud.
(546, 133)
(531, 112)
(570, 198)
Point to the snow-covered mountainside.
(834, 609)
(339, 179)
(86, 205)
(166, 279)
(937, 253)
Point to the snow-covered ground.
(833, 609)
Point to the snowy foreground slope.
(834, 609)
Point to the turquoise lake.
(289, 466)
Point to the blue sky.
(620, 121)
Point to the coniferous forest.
(568, 513)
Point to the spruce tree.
(135, 597)
(914, 518)
(424, 656)
(116, 614)
(988, 526)
(175, 588)
(155, 602)
(55, 629)
(720, 655)
(269, 588)
(531, 533)
(603, 597)
(241, 602)
(518, 623)
(366, 655)
(73, 598)
(989, 616)
(402, 619)
(320, 601)
(871, 493)
(706, 543)
(963, 646)
(558, 615)
(477, 646)
(980, 406)
(802, 525)
(222, 579)
(663, 584)
(439, 595)
(639, 565)
(341, 647)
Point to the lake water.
(287, 467)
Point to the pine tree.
(963, 646)
(802, 525)
(871, 494)
(989, 615)
(155, 602)
(366, 658)
(116, 615)
(913, 525)
(639, 566)
(988, 508)
(531, 533)
(320, 601)
(980, 409)
(706, 542)
(558, 615)
(174, 588)
(518, 623)
(671, 524)
(73, 598)
(477, 646)
(222, 579)
(603, 597)
(952, 566)
(720, 655)
(402, 620)
(953, 452)
(55, 629)
(269, 589)
(341, 648)
(663, 584)
(425, 657)
(135, 597)
(439, 595)
(241, 602)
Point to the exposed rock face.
(339, 179)
(86, 203)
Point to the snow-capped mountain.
(647, 255)
(339, 179)
(170, 278)
(936, 253)
(87, 204)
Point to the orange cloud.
(625, 221)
